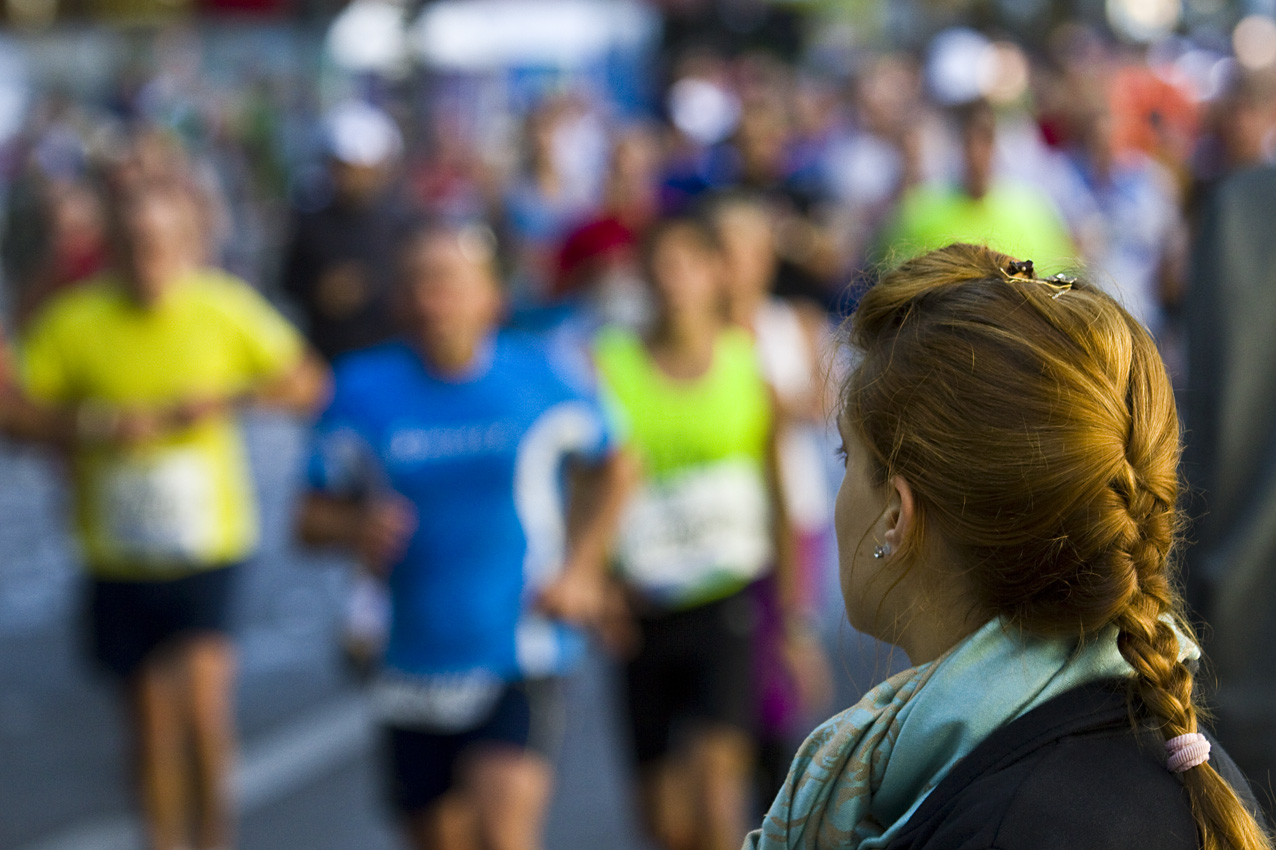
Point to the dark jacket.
(1072, 774)
(1229, 459)
(339, 268)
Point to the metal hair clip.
(1060, 283)
(1023, 270)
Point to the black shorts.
(694, 667)
(130, 620)
(422, 766)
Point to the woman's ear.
(901, 513)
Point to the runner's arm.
(324, 520)
(599, 493)
(20, 417)
(300, 390)
(787, 581)
(23, 419)
(376, 531)
(66, 426)
(800, 646)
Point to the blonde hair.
(1037, 427)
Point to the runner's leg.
(511, 788)
(420, 774)
(721, 764)
(450, 823)
(209, 666)
(721, 749)
(668, 802)
(161, 751)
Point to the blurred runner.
(138, 375)
(54, 238)
(1125, 210)
(19, 417)
(551, 194)
(788, 336)
(1017, 217)
(11, 401)
(339, 263)
(598, 261)
(440, 465)
(339, 268)
(705, 526)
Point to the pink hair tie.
(1186, 752)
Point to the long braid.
(1163, 683)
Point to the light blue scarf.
(860, 776)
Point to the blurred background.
(569, 125)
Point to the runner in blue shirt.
(443, 463)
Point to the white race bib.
(446, 703)
(697, 529)
(158, 508)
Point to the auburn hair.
(1036, 425)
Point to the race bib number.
(705, 528)
(158, 508)
(446, 703)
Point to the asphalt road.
(307, 776)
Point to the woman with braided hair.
(1007, 518)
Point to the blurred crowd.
(1082, 151)
(729, 218)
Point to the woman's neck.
(147, 288)
(547, 178)
(453, 359)
(683, 346)
(923, 645)
(742, 309)
(943, 614)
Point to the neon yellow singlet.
(1013, 218)
(700, 527)
(185, 502)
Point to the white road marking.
(269, 769)
(296, 754)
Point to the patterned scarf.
(860, 776)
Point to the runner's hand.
(384, 527)
(618, 628)
(577, 596)
(138, 427)
(807, 665)
(194, 411)
(124, 427)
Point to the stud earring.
(880, 552)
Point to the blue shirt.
(481, 457)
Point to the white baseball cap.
(359, 134)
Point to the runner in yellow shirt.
(137, 377)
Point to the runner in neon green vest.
(706, 522)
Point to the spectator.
(55, 240)
(1006, 518)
